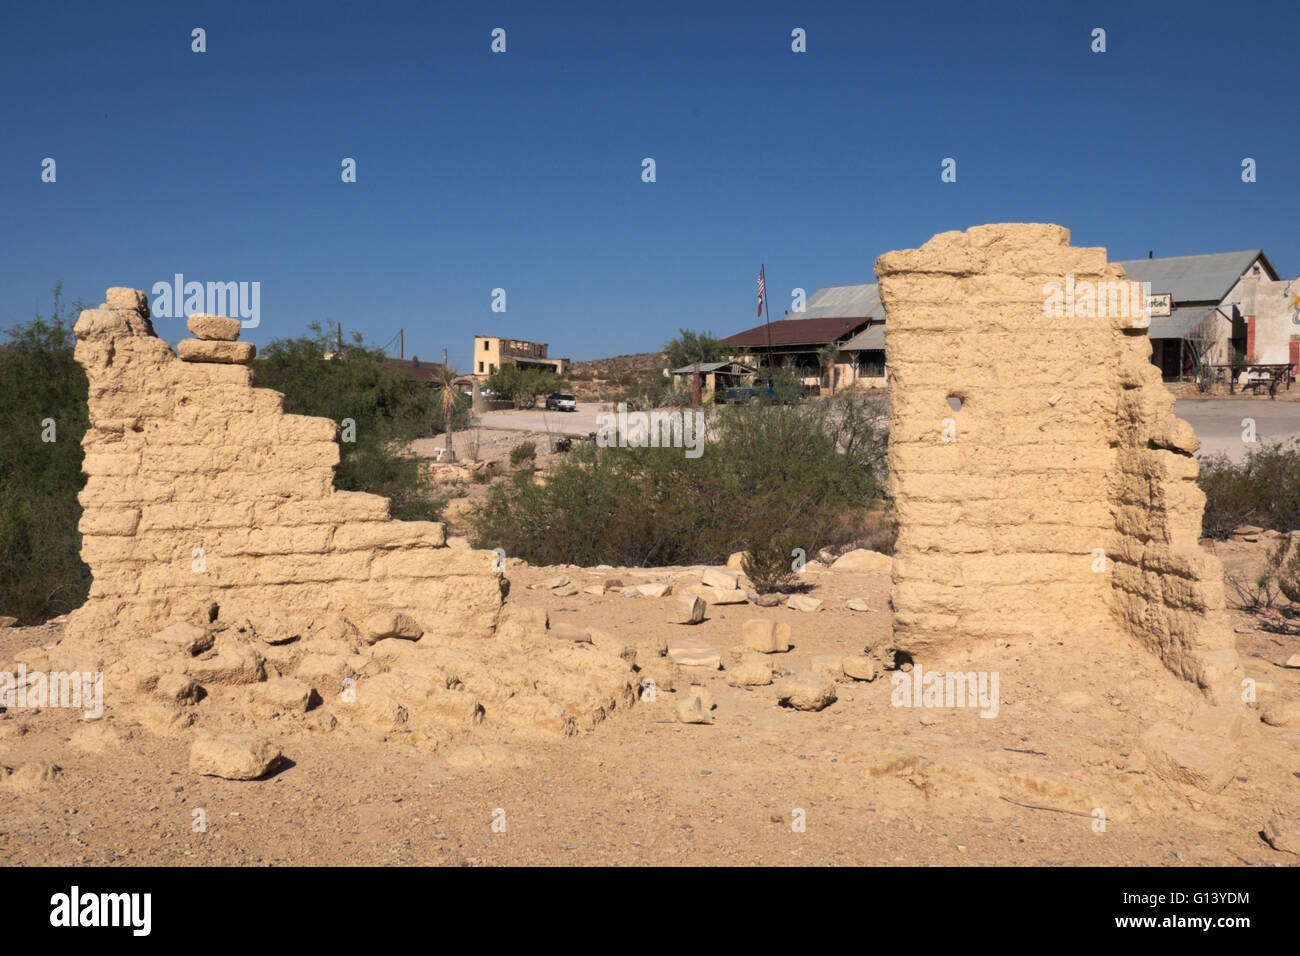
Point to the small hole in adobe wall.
(954, 402)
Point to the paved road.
(1219, 423)
(579, 423)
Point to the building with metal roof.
(714, 377)
(839, 315)
(1215, 308)
(1203, 310)
(1206, 279)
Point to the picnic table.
(1255, 377)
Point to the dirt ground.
(860, 782)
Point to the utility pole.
(401, 348)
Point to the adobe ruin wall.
(201, 489)
(1043, 487)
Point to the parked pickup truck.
(760, 390)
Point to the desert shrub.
(1280, 577)
(1263, 490)
(766, 473)
(786, 386)
(389, 410)
(1257, 595)
(646, 389)
(874, 529)
(1284, 566)
(524, 451)
(41, 571)
(769, 561)
(690, 347)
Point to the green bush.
(1280, 577)
(769, 561)
(1284, 565)
(524, 451)
(1262, 490)
(388, 411)
(647, 389)
(805, 473)
(522, 384)
(690, 347)
(41, 572)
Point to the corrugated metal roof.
(872, 337)
(830, 314)
(788, 332)
(844, 302)
(1179, 324)
(705, 367)
(1204, 278)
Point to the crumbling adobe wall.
(201, 489)
(1165, 589)
(1059, 501)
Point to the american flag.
(762, 290)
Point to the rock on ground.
(233, 756)
(1204, 754)
(766, 637)
(686, 609)
(718, 578)
(802, 602)
(692, 652)
(862, 561)
(1283, 834)
(860, 668)
(695, 707)
(807, 692)
(754, 670)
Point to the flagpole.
(762, 270)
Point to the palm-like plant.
(826, 361)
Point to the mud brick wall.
(186, 455)
(1165, 590)
(1059, 502)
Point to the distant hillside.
(604, 379)
(619, 364)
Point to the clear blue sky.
(523, 170)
